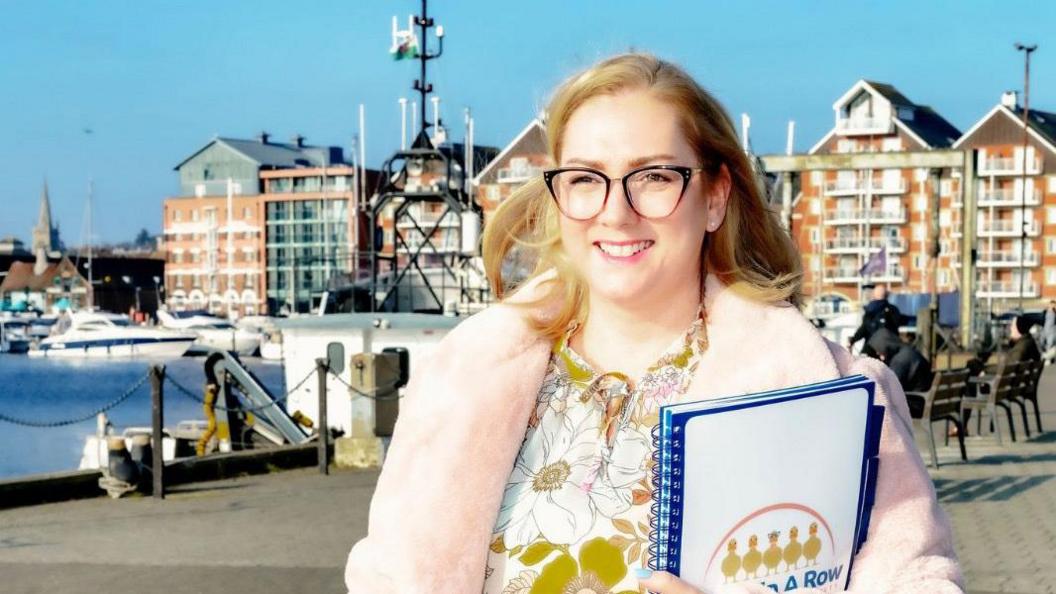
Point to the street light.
(1027, 50)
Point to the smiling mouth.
(624, 250)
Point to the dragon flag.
(404, 43)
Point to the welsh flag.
(404, 46)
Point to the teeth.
(625, 250)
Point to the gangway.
(271, 420)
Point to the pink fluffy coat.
(466, 410)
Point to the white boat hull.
(160, 348)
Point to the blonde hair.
(749, 251)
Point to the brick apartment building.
(259, 226)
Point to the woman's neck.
(629, 337)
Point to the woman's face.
(615, 134)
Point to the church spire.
(44, 234)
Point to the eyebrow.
(634, 163)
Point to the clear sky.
(155, 81)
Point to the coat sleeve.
(461, 424)
(909, 548)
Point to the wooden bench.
(1030, 377)
(942, 402)
(996, 387)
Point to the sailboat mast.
(91, 273)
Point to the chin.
(612, 289)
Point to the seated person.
(912, 369)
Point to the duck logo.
(789, 560)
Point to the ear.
(718, 194)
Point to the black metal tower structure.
(430, 262)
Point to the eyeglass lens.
(652, 193)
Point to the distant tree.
(143, 239)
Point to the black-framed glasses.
(653, 192)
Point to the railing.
(1006, 258)
(1008, 197)
(519, 174)
(828, 308)
(875, 215)
(1008, 166)
(1009, 228)
(861, 185)
(1007, 288)
(859, 124)
(844, 274)
(893, 244)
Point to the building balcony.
(517, 175)
(854, 245)
(1006, 288)
(842, 274)
(848, 187)
(1008, 166)
(1006, 259)
(1008, 197)
(878, 216)
(864, 125)
(1007, 228)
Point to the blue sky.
(155, 81)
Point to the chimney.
(1008, 99)
(263, 137)
(298, 141)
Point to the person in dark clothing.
(878, 314)
(1024, 347)
(912, 369)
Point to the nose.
(617, 210)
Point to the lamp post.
(1027, 50)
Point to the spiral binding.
(654, 507)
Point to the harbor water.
(48, 390)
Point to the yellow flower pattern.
(575, 513)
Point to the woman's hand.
(663, 582)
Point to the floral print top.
(575, 513)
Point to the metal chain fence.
(373, 396)
(193, 396)
(51, 424)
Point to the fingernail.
(643, 573)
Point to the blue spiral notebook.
(774, 488)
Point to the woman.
(517, 466)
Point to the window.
(1050, 215)
(817, 178)
(920, 232)
(944, 218)
(945, 187)
(921, 203)
(247, 213)
(177, 215)
(1050, 245)
(1052, 184)
(194, 215)
(1050, 276)
(815, 236)
(921, 174)
(918, 262)
(944, 276)
(892, 145)
(815, 206)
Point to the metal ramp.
(271, 420)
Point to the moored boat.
(95, 334)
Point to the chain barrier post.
(324, 430)
(157, 387)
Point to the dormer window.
(861, 107)
(905, 114)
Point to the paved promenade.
(290, 531)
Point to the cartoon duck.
(793, 550)
(812, 547)
(731, 564)
(753, 558)
(772, 555)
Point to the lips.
(624, 249)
